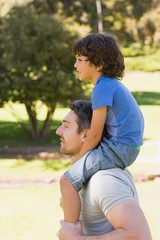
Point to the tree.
(149, 28)
(37, 64)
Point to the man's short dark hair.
(102, 50)
(83, 110)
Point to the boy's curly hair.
(102, 50)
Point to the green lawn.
(29, 213)
(146, 89)
(148, 63)
(149, 195)
(144, 86)
(33, 212)
(11, 133)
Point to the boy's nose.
(75, 65)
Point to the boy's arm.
(95, 133)
(127, 218)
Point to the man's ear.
(85, 134)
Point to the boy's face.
(86, 70)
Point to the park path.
(52, 152)
(50, 179)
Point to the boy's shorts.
(109, 154)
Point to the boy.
(99, 60)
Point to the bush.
(147, 63)
(137, 50)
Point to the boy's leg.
(121, 154)
(71, 203)
(73, 181)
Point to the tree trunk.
(100, 18)
(32, 119)
(52, 6)
(48, 121)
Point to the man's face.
(71, 140)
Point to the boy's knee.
(66, 187)
(64, 182)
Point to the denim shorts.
(109, 154)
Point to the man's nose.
(58, 132)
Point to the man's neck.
(74, 159)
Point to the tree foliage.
(35, 48)
(37, 64)
(149, 28)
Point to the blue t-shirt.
(124, 119)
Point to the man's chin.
(63, 151)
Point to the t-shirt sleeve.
(101, 96)
(112, 191)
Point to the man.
(109, 202)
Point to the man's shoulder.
(113, 173)
(112, 182)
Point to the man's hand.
(70, 231)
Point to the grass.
(11, 133)
(144, 86)
(32, 213)
(148, 63)
(146, 89)
(21, 167)
(152, 122)
(142, 81)
(29, 213)
(149, 194)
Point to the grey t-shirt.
(106, 189)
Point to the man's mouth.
(61, 141)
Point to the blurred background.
(38, 81)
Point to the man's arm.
(127, 218)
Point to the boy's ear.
(99, 68)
